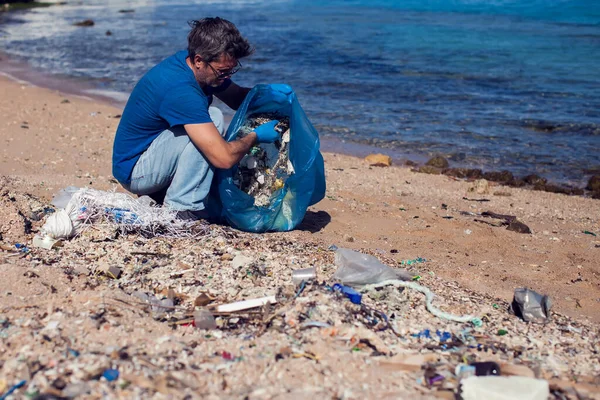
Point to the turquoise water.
(491, 84)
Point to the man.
(169, 140)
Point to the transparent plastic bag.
(357, 269)
(62, 198)
(303, 188)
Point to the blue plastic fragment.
(73, 352)
(425, 333)
(12, 389)
(444, 336)
(122, 216)
(21, 247)
(111, 374)
(350, 293)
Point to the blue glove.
(278, 93)
(281, 87)
(266, 132)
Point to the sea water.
(495, 84)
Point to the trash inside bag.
(287, 205)
(357, 269)
(531, 306)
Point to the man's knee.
(217, 118)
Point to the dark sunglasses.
(225, 74)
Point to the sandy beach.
(51, 140)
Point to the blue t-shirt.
(168, 95)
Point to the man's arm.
(233, 96)
(219, 153)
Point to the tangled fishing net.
(86, 207)
(267, 166)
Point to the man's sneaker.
(191, 216)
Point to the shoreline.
(22, 72)
(471, 262)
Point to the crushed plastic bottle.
(203, 319)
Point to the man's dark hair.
(211, 37)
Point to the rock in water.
(87, 22)
(594, 183)
(438, 162)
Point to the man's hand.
(218, 152)
(266, 132)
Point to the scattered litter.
(111, 375)
(45, 242)
(428, 299)
(303, 275)
(417, 260)
(589, 233)
(314, 324)
(204, 319)
(357, 269)
(354, 296)
(21, 248)
(85, 207)
(511, 222)
(504, 388)
(13, 389)
(246, 304)
(486, 368)
(502, 332)
(479, 200)
(531, 306)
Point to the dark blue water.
(493, 84)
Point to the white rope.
(428, 300)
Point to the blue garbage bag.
(305, 187)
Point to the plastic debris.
(45, 242)
(428, 301)
(504, 388)
(356, 269)
(111, 375)
(73, 352)
(13, 389)
(487, 368)
(417, 260)
(227, 356)
(204, 319)
(303, 275)
(531, 306)
(354, 296)
(246, 304)
(502, 332)
(589, 233)
(63, 196)
(21, 247)
(425, 333)
(314, 324)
